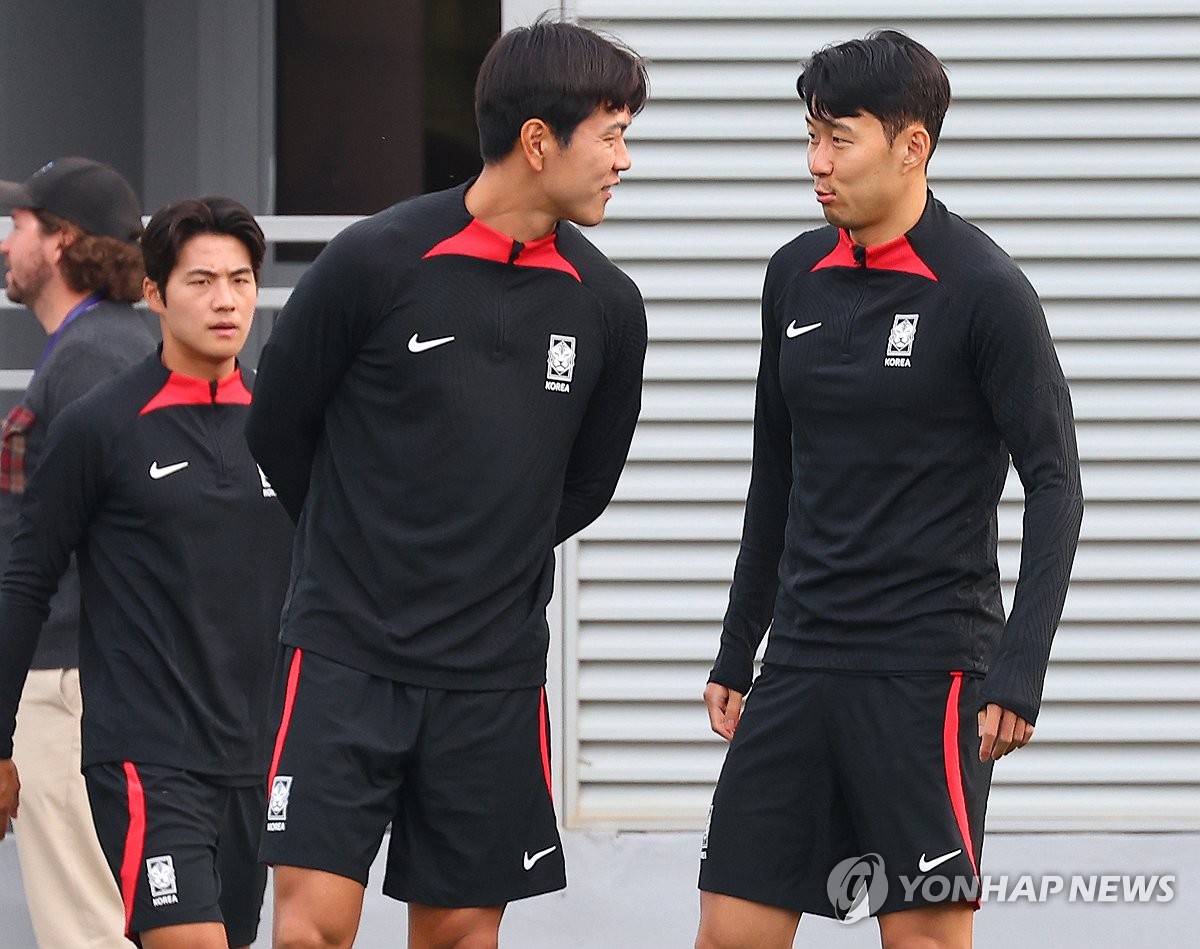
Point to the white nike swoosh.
(419, 346)
(156, 472)
(927, 865)
(530, 861)
(793, 330)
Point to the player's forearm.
(20, 624)
(286, 460)
(585, 499)
(1051, 534)
(751, 606)
(282, 429)
(600, 452)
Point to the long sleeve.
(1023, 382)
(57, 505)
(311, 345)
(756, 573)
(602, 445)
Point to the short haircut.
(173, 225)
(91, 264)
(887, 74)
(558, 72)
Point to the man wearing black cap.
(73, 259)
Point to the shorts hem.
(825, 911)
(888, 909)
(242, 939)
(472, 902)
(772, 899)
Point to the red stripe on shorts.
(544, 741)
(954, 767)
(135, 840)
(289, 700)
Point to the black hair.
(173, 225)
(887, 74)
(557, 72)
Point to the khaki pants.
(72, 896)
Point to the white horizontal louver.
(1074, 140)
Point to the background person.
(72, 258)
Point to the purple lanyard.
(74, 313)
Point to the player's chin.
(587, 217)
(832, 217)
(219, 349)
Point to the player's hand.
(724, 709)
(10, 787)
(1001, 731)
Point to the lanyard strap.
(80, 308)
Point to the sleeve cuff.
(734, 669)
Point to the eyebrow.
(205, 272)
(835, 124)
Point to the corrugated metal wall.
(1074, 140)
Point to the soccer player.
(449, 393)
(73, 259)
(183, 557)
(905, 358)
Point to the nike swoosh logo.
(793, 330)
(927, 865)
(157, 473)
(419, 346)
(530, 861)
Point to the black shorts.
(183, 848)
(463, 778)
(847, 794)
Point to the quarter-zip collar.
(897, 254)
(178, 389)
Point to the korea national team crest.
(268, 491)
(160, 874)
(901, 339)
(560, 363)
(277, 806)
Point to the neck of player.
(900, 218)
(506, 198)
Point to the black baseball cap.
(89, 194)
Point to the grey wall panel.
(1045, 147)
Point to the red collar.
(187, 390)
(897, 254)
(479, 240)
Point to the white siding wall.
(1074, 140)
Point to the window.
(375, 101)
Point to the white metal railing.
(277, 228)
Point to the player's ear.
(533, 142)
(917, 145)
(154, 297)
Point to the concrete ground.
(637, 891)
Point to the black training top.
(894, 383)
(439, 406)
(183, 559)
